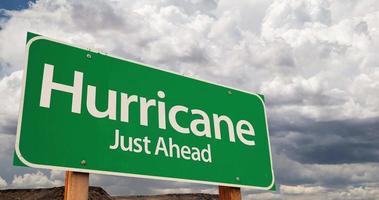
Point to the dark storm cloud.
(316, 62)
(330, 142)
(9, 126)
(5, 68)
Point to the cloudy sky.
(315, 60)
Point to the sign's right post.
(229, 193)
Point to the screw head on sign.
(83, 162)
(229, 92)
(88, 55)
(238, 178)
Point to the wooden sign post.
(76, 186)
(229, 193)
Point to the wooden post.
(76, 186)
(229, 193)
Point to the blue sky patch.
(15, 4)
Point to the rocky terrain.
(95, 193)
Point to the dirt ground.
(95, 193)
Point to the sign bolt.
(238, 178)
(83, 162)
(229, 92)
(88, 55)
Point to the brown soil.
(95, 193)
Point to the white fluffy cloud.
(316, 192)
(184, 190)
(34, 180)
(137, 186)
(313, 59)
(264, 196)
(355, 193)
(3, 183)
(10, 89)
(334, 66)
(301, 189)
(304, 58)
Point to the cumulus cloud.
(332, 58)
(3, 183)
(138, 186)
(10, 89)
(264, 196)
(355, 193)
(34, 180)
(314, 60)
(310, 192)
(295, 59)
(183, 190)
(301, 189)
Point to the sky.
(316, 62)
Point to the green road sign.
(89, 112)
